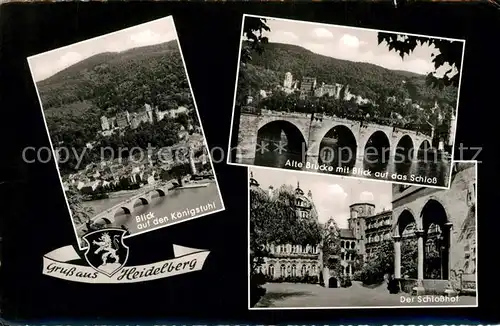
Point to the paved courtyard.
(309, 295)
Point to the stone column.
(419, 289)
(311, 147)
(420, 246)
(397, 256)
(447, 227)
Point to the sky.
(332, 195)
(49, 63)
(351, 44)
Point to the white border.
(361, 307)
(197, 114)
(228, 161)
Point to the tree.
(450, 53)
(253, 29)
(81, 214)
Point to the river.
(432, 172)
(177, 200)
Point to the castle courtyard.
(298, 295)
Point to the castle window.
(353, 245)
(342, 256)
(304, 270)
(294, 270)
(341, 244)
(313, 268)
(283, 270)
(270, 270)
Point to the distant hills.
(365, 79)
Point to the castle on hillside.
(309, 87)
(125, 119)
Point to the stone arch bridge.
(129, 205)
(305, 134)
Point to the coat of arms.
(106, 251)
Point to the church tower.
(288, 80)
(253, 182)
(104, 123)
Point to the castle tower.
(288, 80)
(149, 112)
(299, 191)
(104, 123)
(271, 191)
(253, 182)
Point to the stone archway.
(437, 239)
(333, 282)
(405, 229)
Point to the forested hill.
(365, 79)
(79, 82)
(75, 99)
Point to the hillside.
(364, 79)
(69, 85)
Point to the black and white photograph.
(347, 101)
(125, 131)
(352, 243)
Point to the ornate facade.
(293, 260)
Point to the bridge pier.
(247, 139)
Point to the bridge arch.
(274, 130)
(338, 147)
(141, 201)
(377, 151)
(423, 149)
(123, 210)
(158, 192)
(107, 220)
(281, 137)
(404, 150)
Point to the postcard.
(125, 131)
(347, 101)
(360, 243)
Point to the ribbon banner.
(107, 265)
